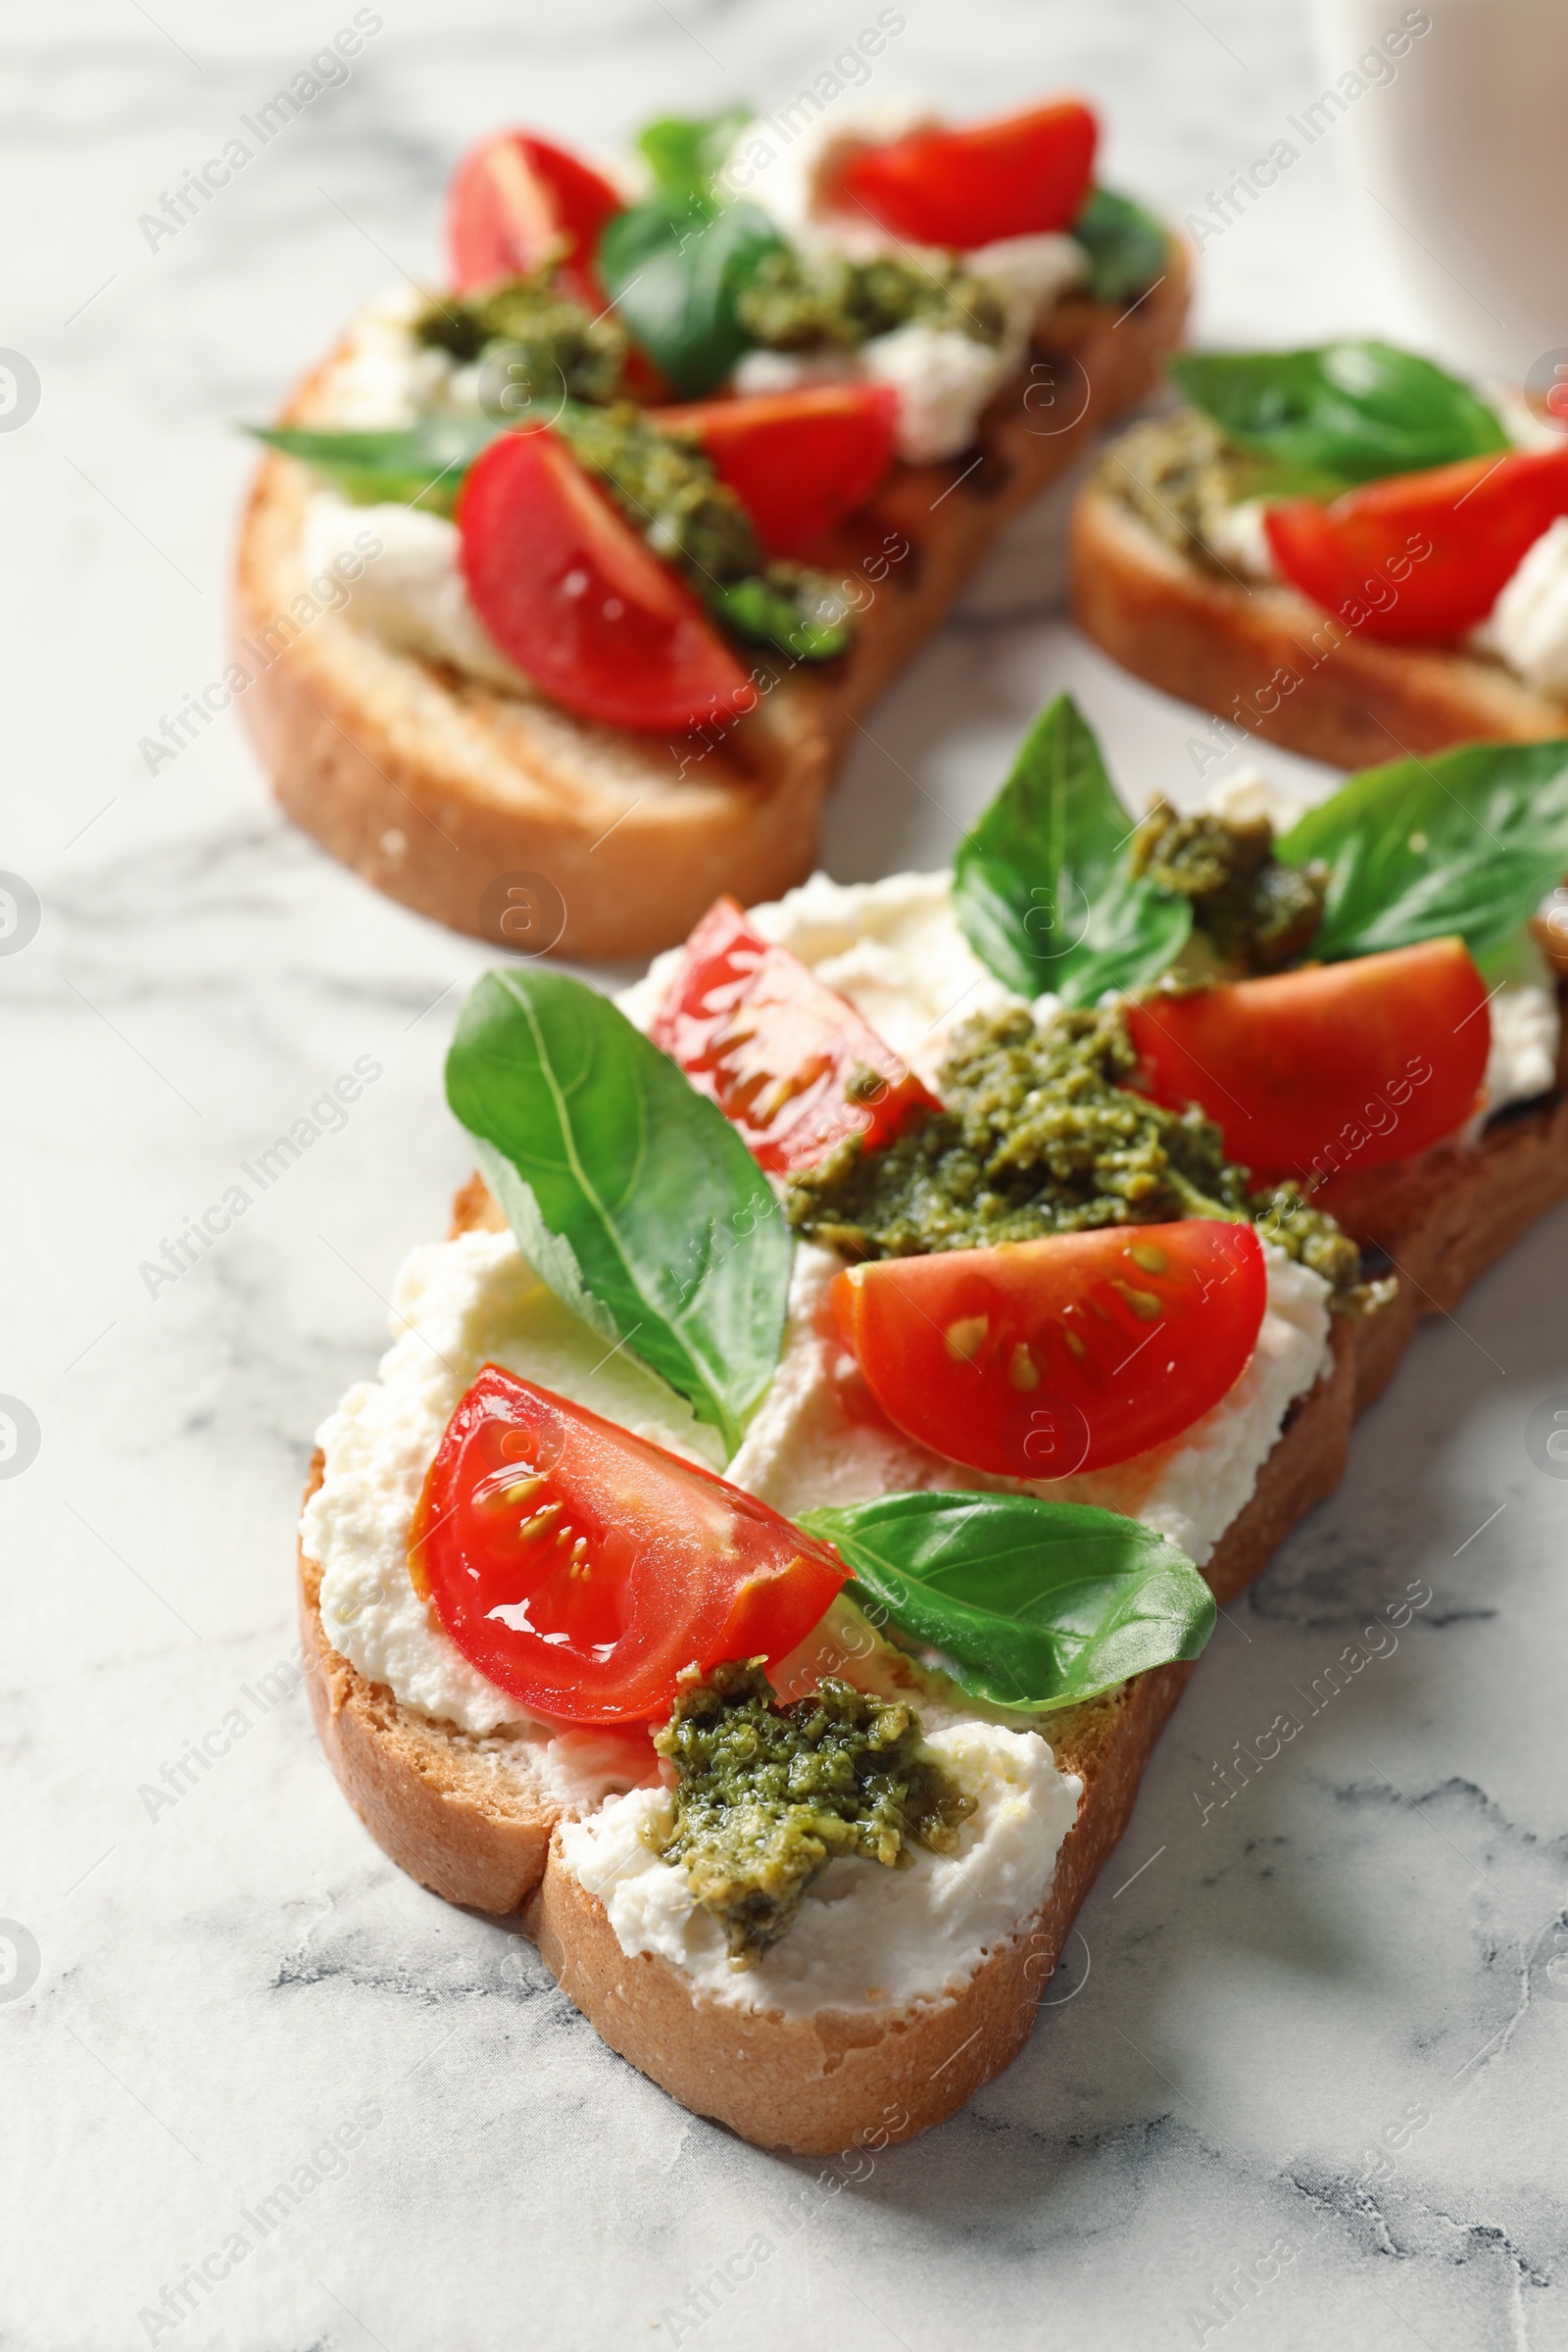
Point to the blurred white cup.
(1462, 147)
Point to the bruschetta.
(560, 587)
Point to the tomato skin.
(799, 462)
(1127, 1334)
(755, 1031)
(662, 1562)
(1420, 558)
(1287, 1065)
(1019, 177)
(515, 201)
(572, 595)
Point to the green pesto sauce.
(1259, 913)
(1040, 1134)
(669, 489)
(550, 355)
(806, 302)
(545, 341)
(1175, 472)
(765, 1795)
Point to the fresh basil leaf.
(630, 1194)
(1036, 1604)
(673, 267)
(421, 466)
(1040, 884)
(1127, 247)
(1352, 411)
(1467, 841)
(685, 152)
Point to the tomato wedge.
(1016, 177)
(1343, 1064)
(799, 462)
(1421, 558)
(517, 202)
(789, 1062)
(580, 1567)
(574, 597)
(1040, 1358)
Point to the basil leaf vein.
(1040, 884)
(630, 1194)
(1468, 841)
(673, 267)
(422, 465)
(1351, 411)
(1033, 1604)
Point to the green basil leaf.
(1350, 411)
(1468, 841)
(1036, 1604)
(1127, 247)
(630, 1194)
(673, 267)
(685, 151)
(1040, 884)
(421, 466)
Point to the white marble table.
(1303, 2079)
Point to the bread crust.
(439, 790)
(1256, 655)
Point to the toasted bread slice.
(441, 790)
(472, 1818)
(1267, 660)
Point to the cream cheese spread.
(1528, 626)
(866, 1937)
(414, 595)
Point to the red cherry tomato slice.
(1421, 558)
(1040, 1358)
(580, 1567)
(755, 1031)
(1344, 1065)
(799, 462)
(517, 202)
(1017, 177)
(572, 595)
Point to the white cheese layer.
(413, 596)
(381, 379)
(866, 1937)
(1528, 625)
(1236, 537)
(944, 378)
